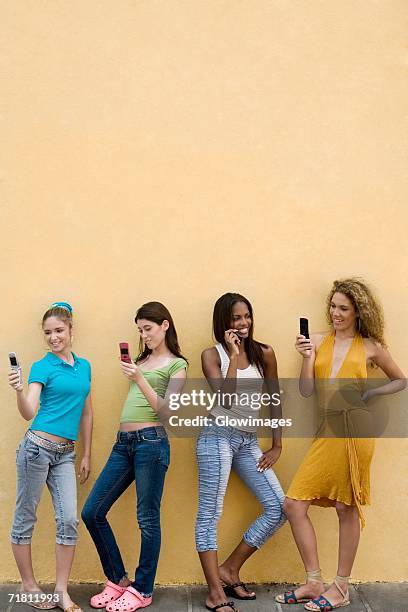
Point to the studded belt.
(57, 447)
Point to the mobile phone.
(304, 327)
(15, 365)
(124, 352)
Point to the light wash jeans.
(219, 449)
(37, 466)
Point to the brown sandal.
(73, 608)
(40, 605)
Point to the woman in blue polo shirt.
(60, 383)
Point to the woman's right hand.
(15, 380)
(232, 341)
(304, 346)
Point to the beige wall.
(176, 150)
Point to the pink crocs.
(111, 592)
(130, 601)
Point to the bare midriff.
(137, 426)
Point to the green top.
(136, 408)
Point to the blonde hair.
(370, 314)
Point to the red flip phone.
(124, 352)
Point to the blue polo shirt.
(65, 389)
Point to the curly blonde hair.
(369, 310)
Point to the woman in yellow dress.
(335, 471)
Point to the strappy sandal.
(39, 605)
(229, 589)
(111, 592)
(73, 608)
(42, 605)
(130, 601)
(226, 604)
(289, 597)
(324, 604)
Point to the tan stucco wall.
(176, 150)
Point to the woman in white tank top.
(237, 365)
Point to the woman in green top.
(141, 454)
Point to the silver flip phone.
(15, 365)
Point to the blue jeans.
(142, 456)
(37, 467)
(219, 449)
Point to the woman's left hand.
(367, 395)
(130, 370)
(268, 458)
(84, 469)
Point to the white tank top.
(248, 389)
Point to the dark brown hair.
(157, 313)
(222, 320)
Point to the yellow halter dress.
(337, 469)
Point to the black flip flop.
(229, 589)
(222, 605)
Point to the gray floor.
(373, 597)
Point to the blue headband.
(62, 305)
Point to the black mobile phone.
(304, 327)
(14, 361)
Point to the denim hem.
(252, 544)
(66, 540)
(140, 591)
(20, 539)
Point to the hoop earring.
(358, 325)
